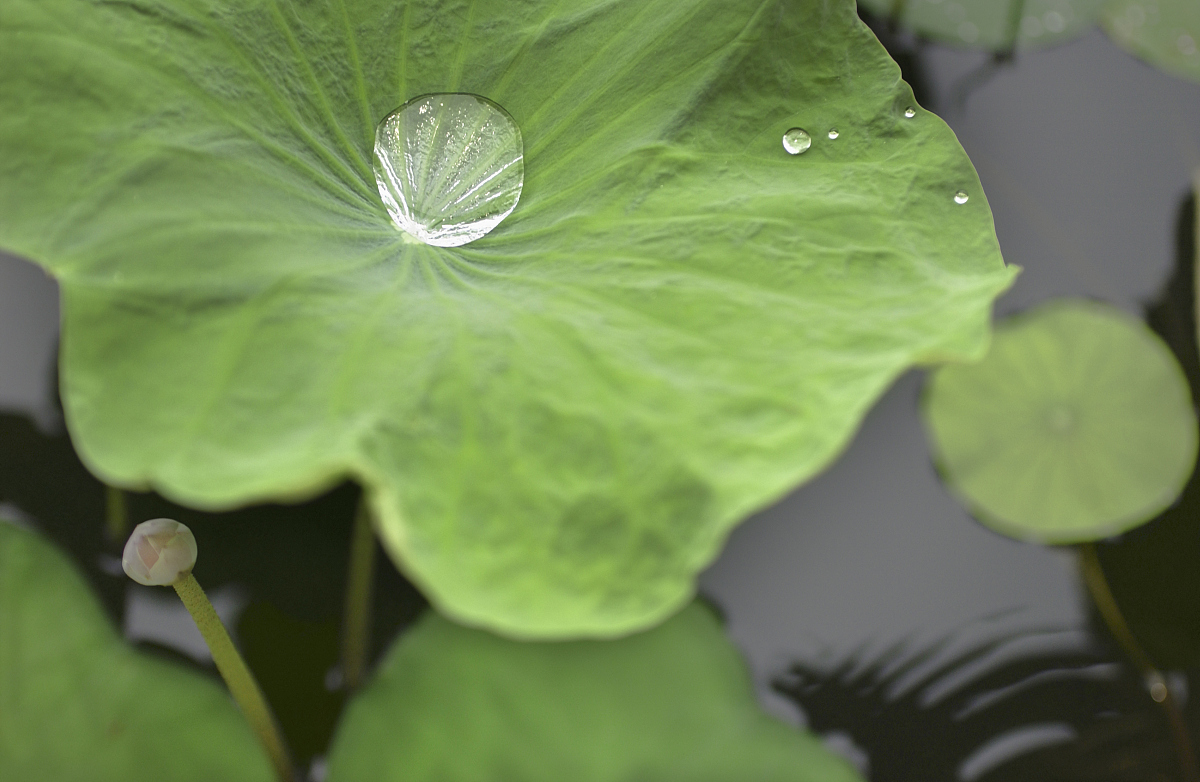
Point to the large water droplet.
(449, 167)
(961, 197)
(797, 141)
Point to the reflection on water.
(1038, 706)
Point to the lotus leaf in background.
(559, 423)
(1164, 33)
(675, 703)
(78, 705)
(995, 25)
(1077, 425)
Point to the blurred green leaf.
(78, 705)
(997, 25)
(1164, 33)
(559, 423)
(1076, 426)
(675, 703)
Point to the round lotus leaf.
(1164, 33)
(1076, 426)
(992, 24)
(558, 423)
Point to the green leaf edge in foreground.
(77, 704)
(674, 703)
(1163, 33)
(558, 424)
(1094, 463)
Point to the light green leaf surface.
(559, 423)
(671, 705)
(1077, 425)
(78, 705)
(997, 25)
(1164, 33)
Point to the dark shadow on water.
(1173, 314)
(1154, 570)
(932, 715)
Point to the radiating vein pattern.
(449, 167)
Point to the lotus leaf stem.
(116, 513)
(356, 634)
(162, 552)
(1102, 596)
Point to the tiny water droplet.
(961, 197)
(449, 167)
(833, 134)
(797, 141)
(910, 112)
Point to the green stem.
(116, 513)
(356, 634)
(1016, 11)
(1102, 596)
(241, 682)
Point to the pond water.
(1085, 155)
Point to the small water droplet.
(450, 167)
(833, 134)
(910, 112)
(961, 197)
(797, 141)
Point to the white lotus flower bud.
(160, 552)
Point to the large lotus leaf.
(998, 25)
(459, 705)
(1164, 33)
(559, 423)
(78, 705)
(1077, 425)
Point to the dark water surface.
(1086, 156)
